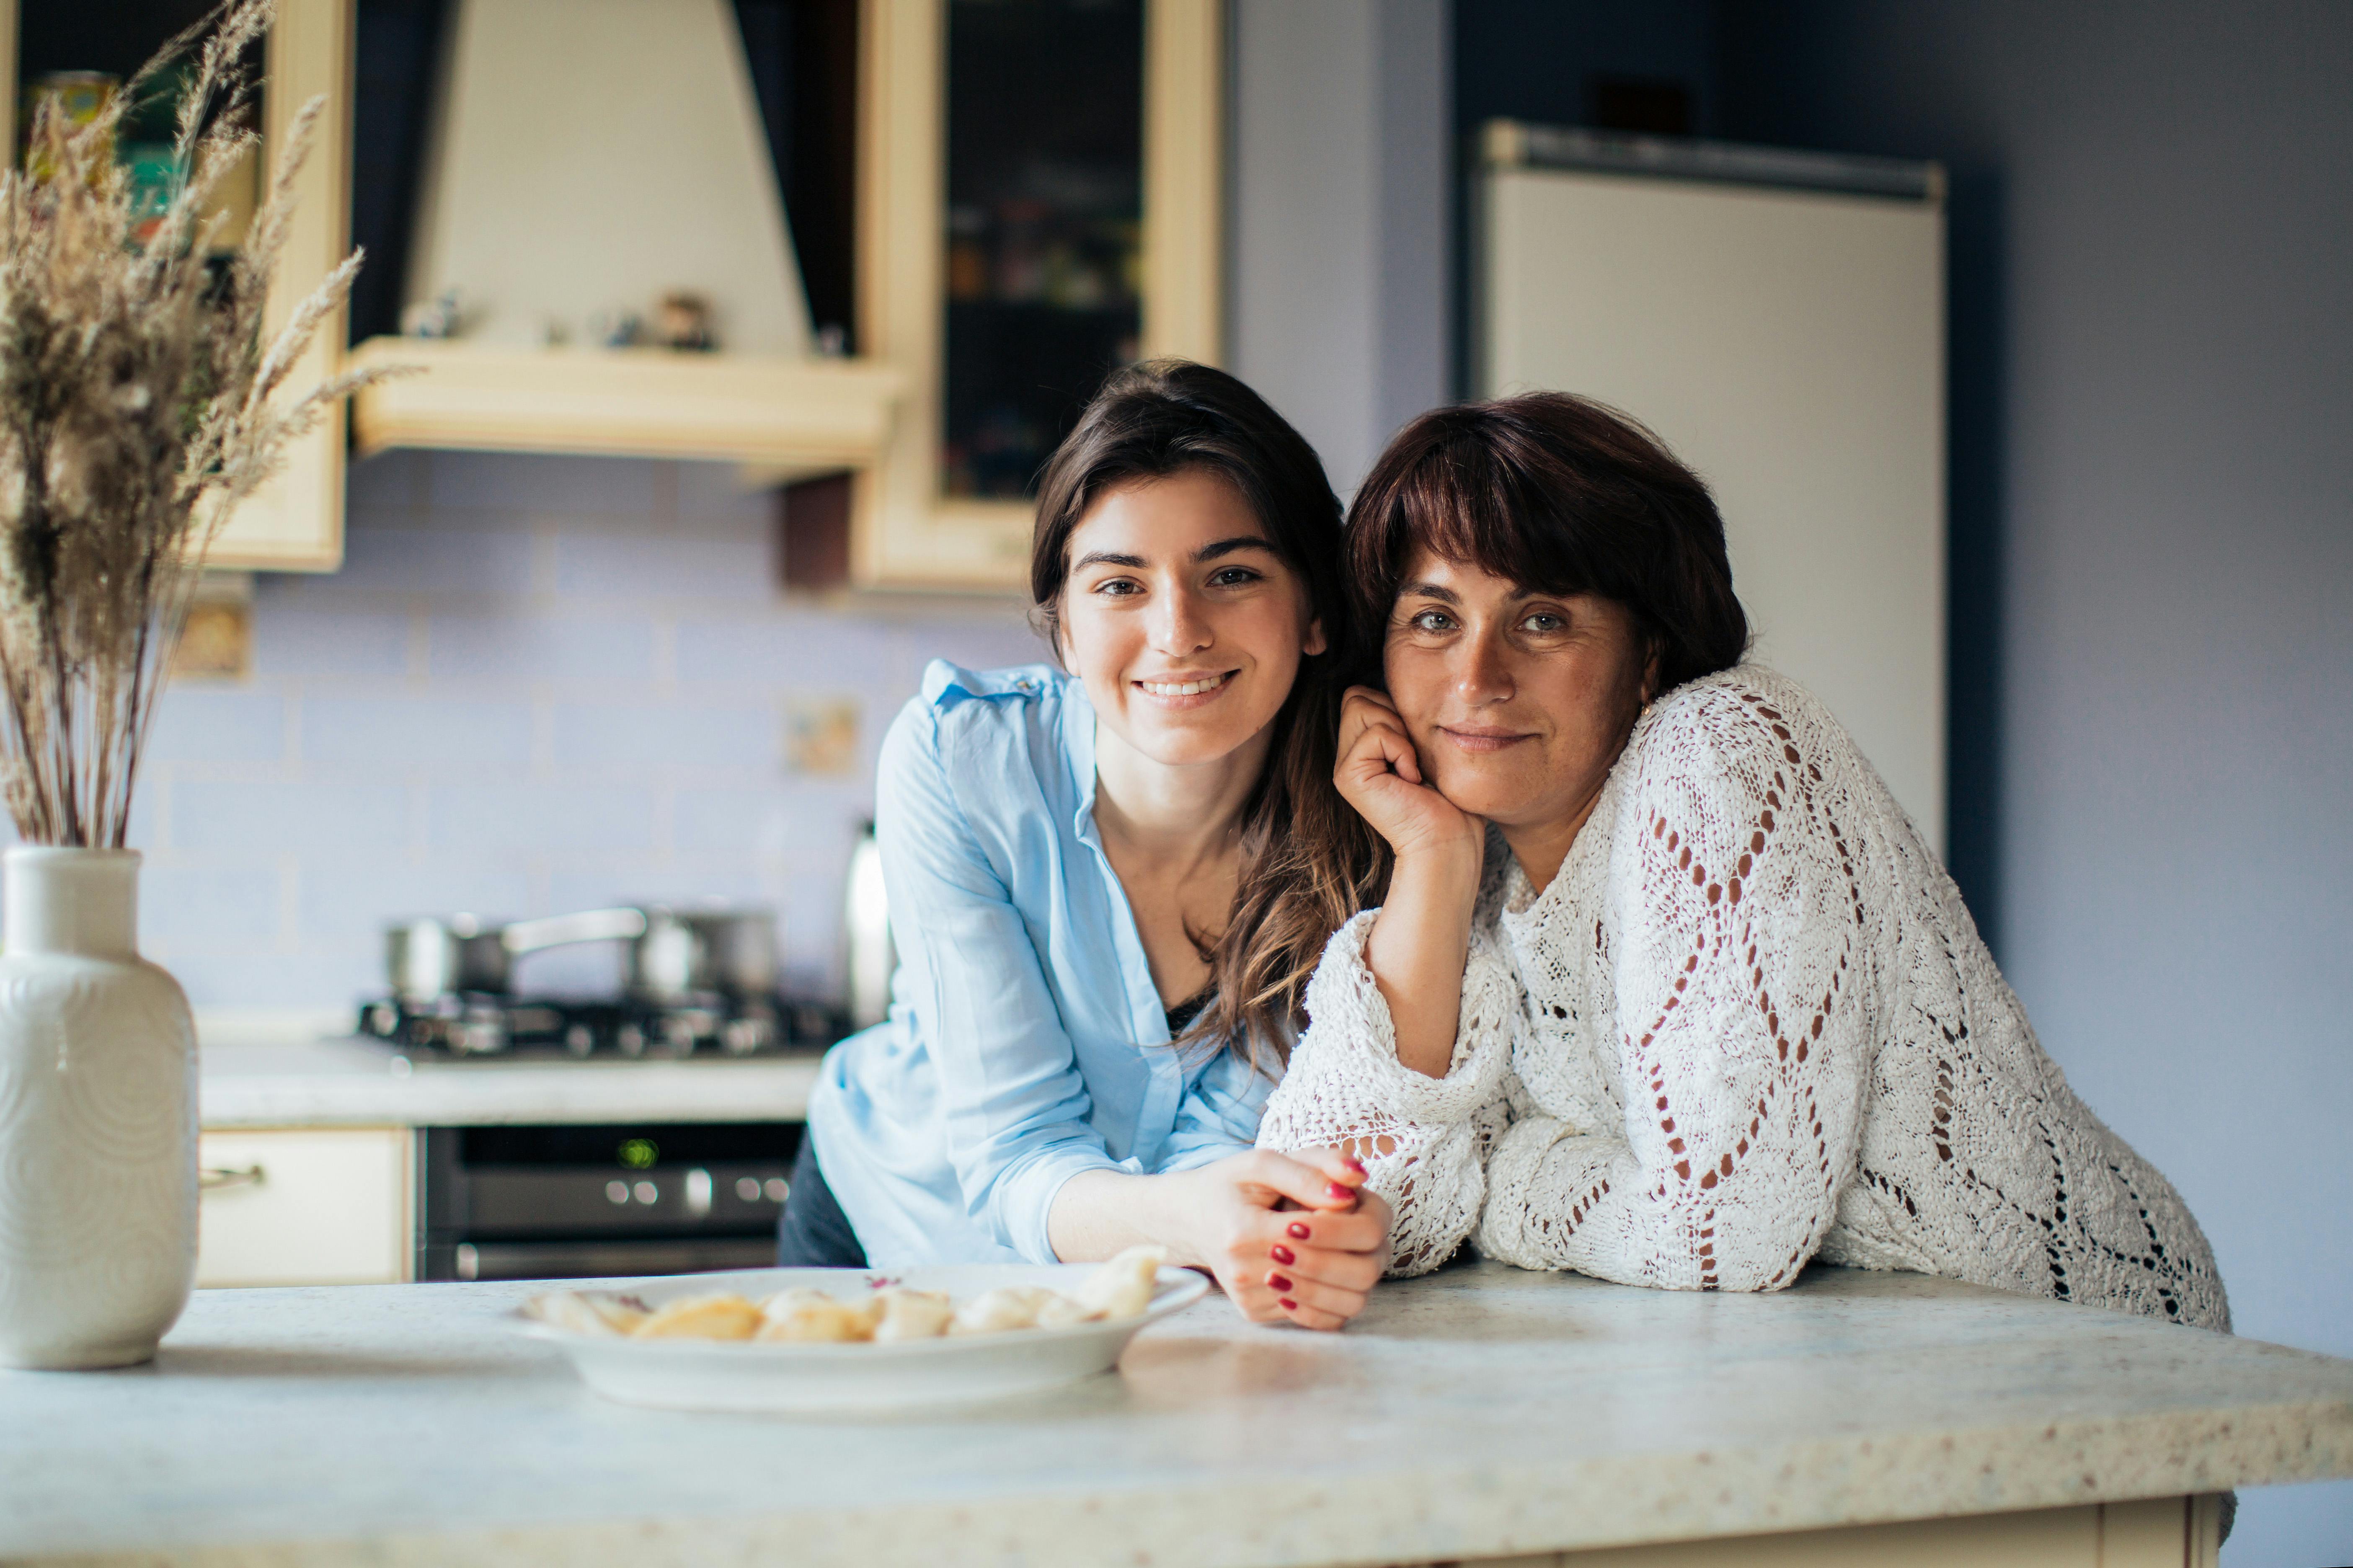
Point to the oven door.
(558, 1203)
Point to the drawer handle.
(213, 1178)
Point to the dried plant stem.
(139, 405)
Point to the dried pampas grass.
(139, 404)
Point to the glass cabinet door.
(1044, 227)
(1041, 197)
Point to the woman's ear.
(1316, 641)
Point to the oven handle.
(211, 1179)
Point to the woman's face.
(1186, 626)
(1518, 701)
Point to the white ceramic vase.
(97, 1118)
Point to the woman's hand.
(1379, 774)
(1422, 939)
(1287, 1236)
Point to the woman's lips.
(1483, 740)
(1185, 690)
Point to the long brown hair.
(1166, 416)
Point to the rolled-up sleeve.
(1016, 1118)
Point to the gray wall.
(1339, 273)
(2153, 554)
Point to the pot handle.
(560, 931)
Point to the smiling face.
(1518, 701)
(1182, 623)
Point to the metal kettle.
(869, 956)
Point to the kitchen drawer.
(306, 1206)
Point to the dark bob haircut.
(1562, 495)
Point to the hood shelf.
(777, 413)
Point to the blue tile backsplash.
(538, 684)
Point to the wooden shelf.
(788, 416)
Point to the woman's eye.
(1431, 621)
(1546, 623)
(1234, 577)
(1118, 587)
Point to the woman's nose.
(1179, 626)
(1482, 674)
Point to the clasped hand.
(1291, 1236)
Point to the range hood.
(586, 158)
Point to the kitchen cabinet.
(306, 1205)
(295, 523)
(987, 229)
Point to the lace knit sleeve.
(1739, 967)
(1423, 1140)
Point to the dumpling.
(700, 1318)
(1123, 1286)
(1058, 1311)
(995, 1311)
(807, 1316)
(902, 1314)
(585, 1312)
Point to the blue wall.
(2152, 350)
(537, 684)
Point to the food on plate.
(903, 1314)
(719, 1317)
(1122, 1287)
(996, 1311)
(812, 1317)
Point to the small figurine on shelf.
(439, 317)
(613, 329)
(685, 320)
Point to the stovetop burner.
(490, 1026)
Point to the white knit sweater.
(1749, 1023)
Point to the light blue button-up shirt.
(1026, 1042)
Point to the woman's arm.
(1422, 1140)
(1030, 1164)
(1739, 966)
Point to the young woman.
(1666, 989)
(1080, 1038)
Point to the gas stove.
(483, 1026)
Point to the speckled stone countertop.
(357, 1082)
(1482, 1411)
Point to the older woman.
(1666, 990)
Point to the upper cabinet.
(296, 522)
(1040, 201)
(879, 251)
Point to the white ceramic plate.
(740, 1374)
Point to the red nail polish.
(1298, 1231)
(1353, 1163)
(1277, 1282)
(1287, 1305)
(1340, 1191)
(1282, 1254)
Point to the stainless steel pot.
(673, 954)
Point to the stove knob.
(742, 1036)
(580, 1040)
(777, 1189)
(647, 1193)
(617, 1192)
(747, 1189)
(631, 1040)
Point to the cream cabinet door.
(306, 1206)
(294, 523)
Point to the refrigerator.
(1778, 318)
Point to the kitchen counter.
(363, 1083)
(1480, 1412)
